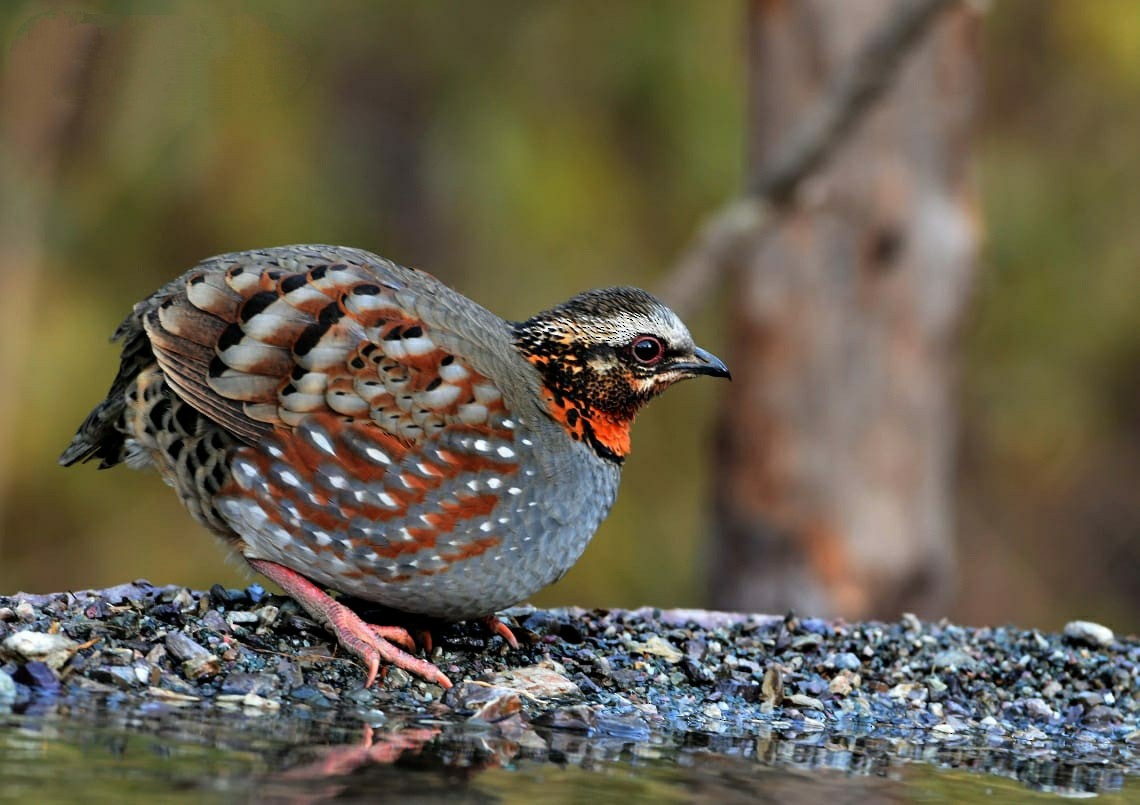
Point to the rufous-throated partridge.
(347, 423)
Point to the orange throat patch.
(608, 436)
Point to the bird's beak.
(703, 363)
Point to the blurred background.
(522, 151)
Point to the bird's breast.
(460, 525)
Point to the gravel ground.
(1059, 711)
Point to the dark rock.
(578, 718)
(38, 676)
(197, 662)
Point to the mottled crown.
(606, 316)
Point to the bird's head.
(603, 355)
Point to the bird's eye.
(648, 349)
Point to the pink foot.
(496, 626)
(369, 643)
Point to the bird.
(347, 424)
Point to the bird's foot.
(497, 627)
(372, 644)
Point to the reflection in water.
(302, 756)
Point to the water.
(99, 750)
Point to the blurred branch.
(741, 223)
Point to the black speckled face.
(603, 355)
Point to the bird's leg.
(497, 627)
(369, 643)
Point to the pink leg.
(357, 637)
(496, 626)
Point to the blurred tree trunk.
(835, 451)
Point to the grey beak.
(705, 364)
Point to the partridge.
(346, 423)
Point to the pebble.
(25, 612)
(547, 680)
(7, 691)
(489, 703)
(1088, 633)
(37, 675)
(197, 662)
(52, 649)
(629, 676)
(659, 647)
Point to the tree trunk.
(835, 451)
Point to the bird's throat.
(608, 437)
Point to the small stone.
(201, 667)
(25, 612)
(184, 600)
(182, 647)
(239, 684)
(7, 614)
(800, 700)
(806, 641)
(172, 697)
(52, 649)
(255, 702)
(248, 701)
(220, 596)
(772, 688)
(1037, 709)
(7, 691)
(579, 717)
(266, 617)
(659, 647)
(1089, 699)
(488, 703)
(197, 662)
(118, 656)
(840, 686)
(215, 622)
(903, 690)
(241, 617)
(953, 660)
(288, 672)
(547, 680)
(117, 675)
(1088, 633)
(36, 674)
(397, 679)
(845, 661)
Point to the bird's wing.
(256, 341)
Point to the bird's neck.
(606, 435)
(595, 406)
